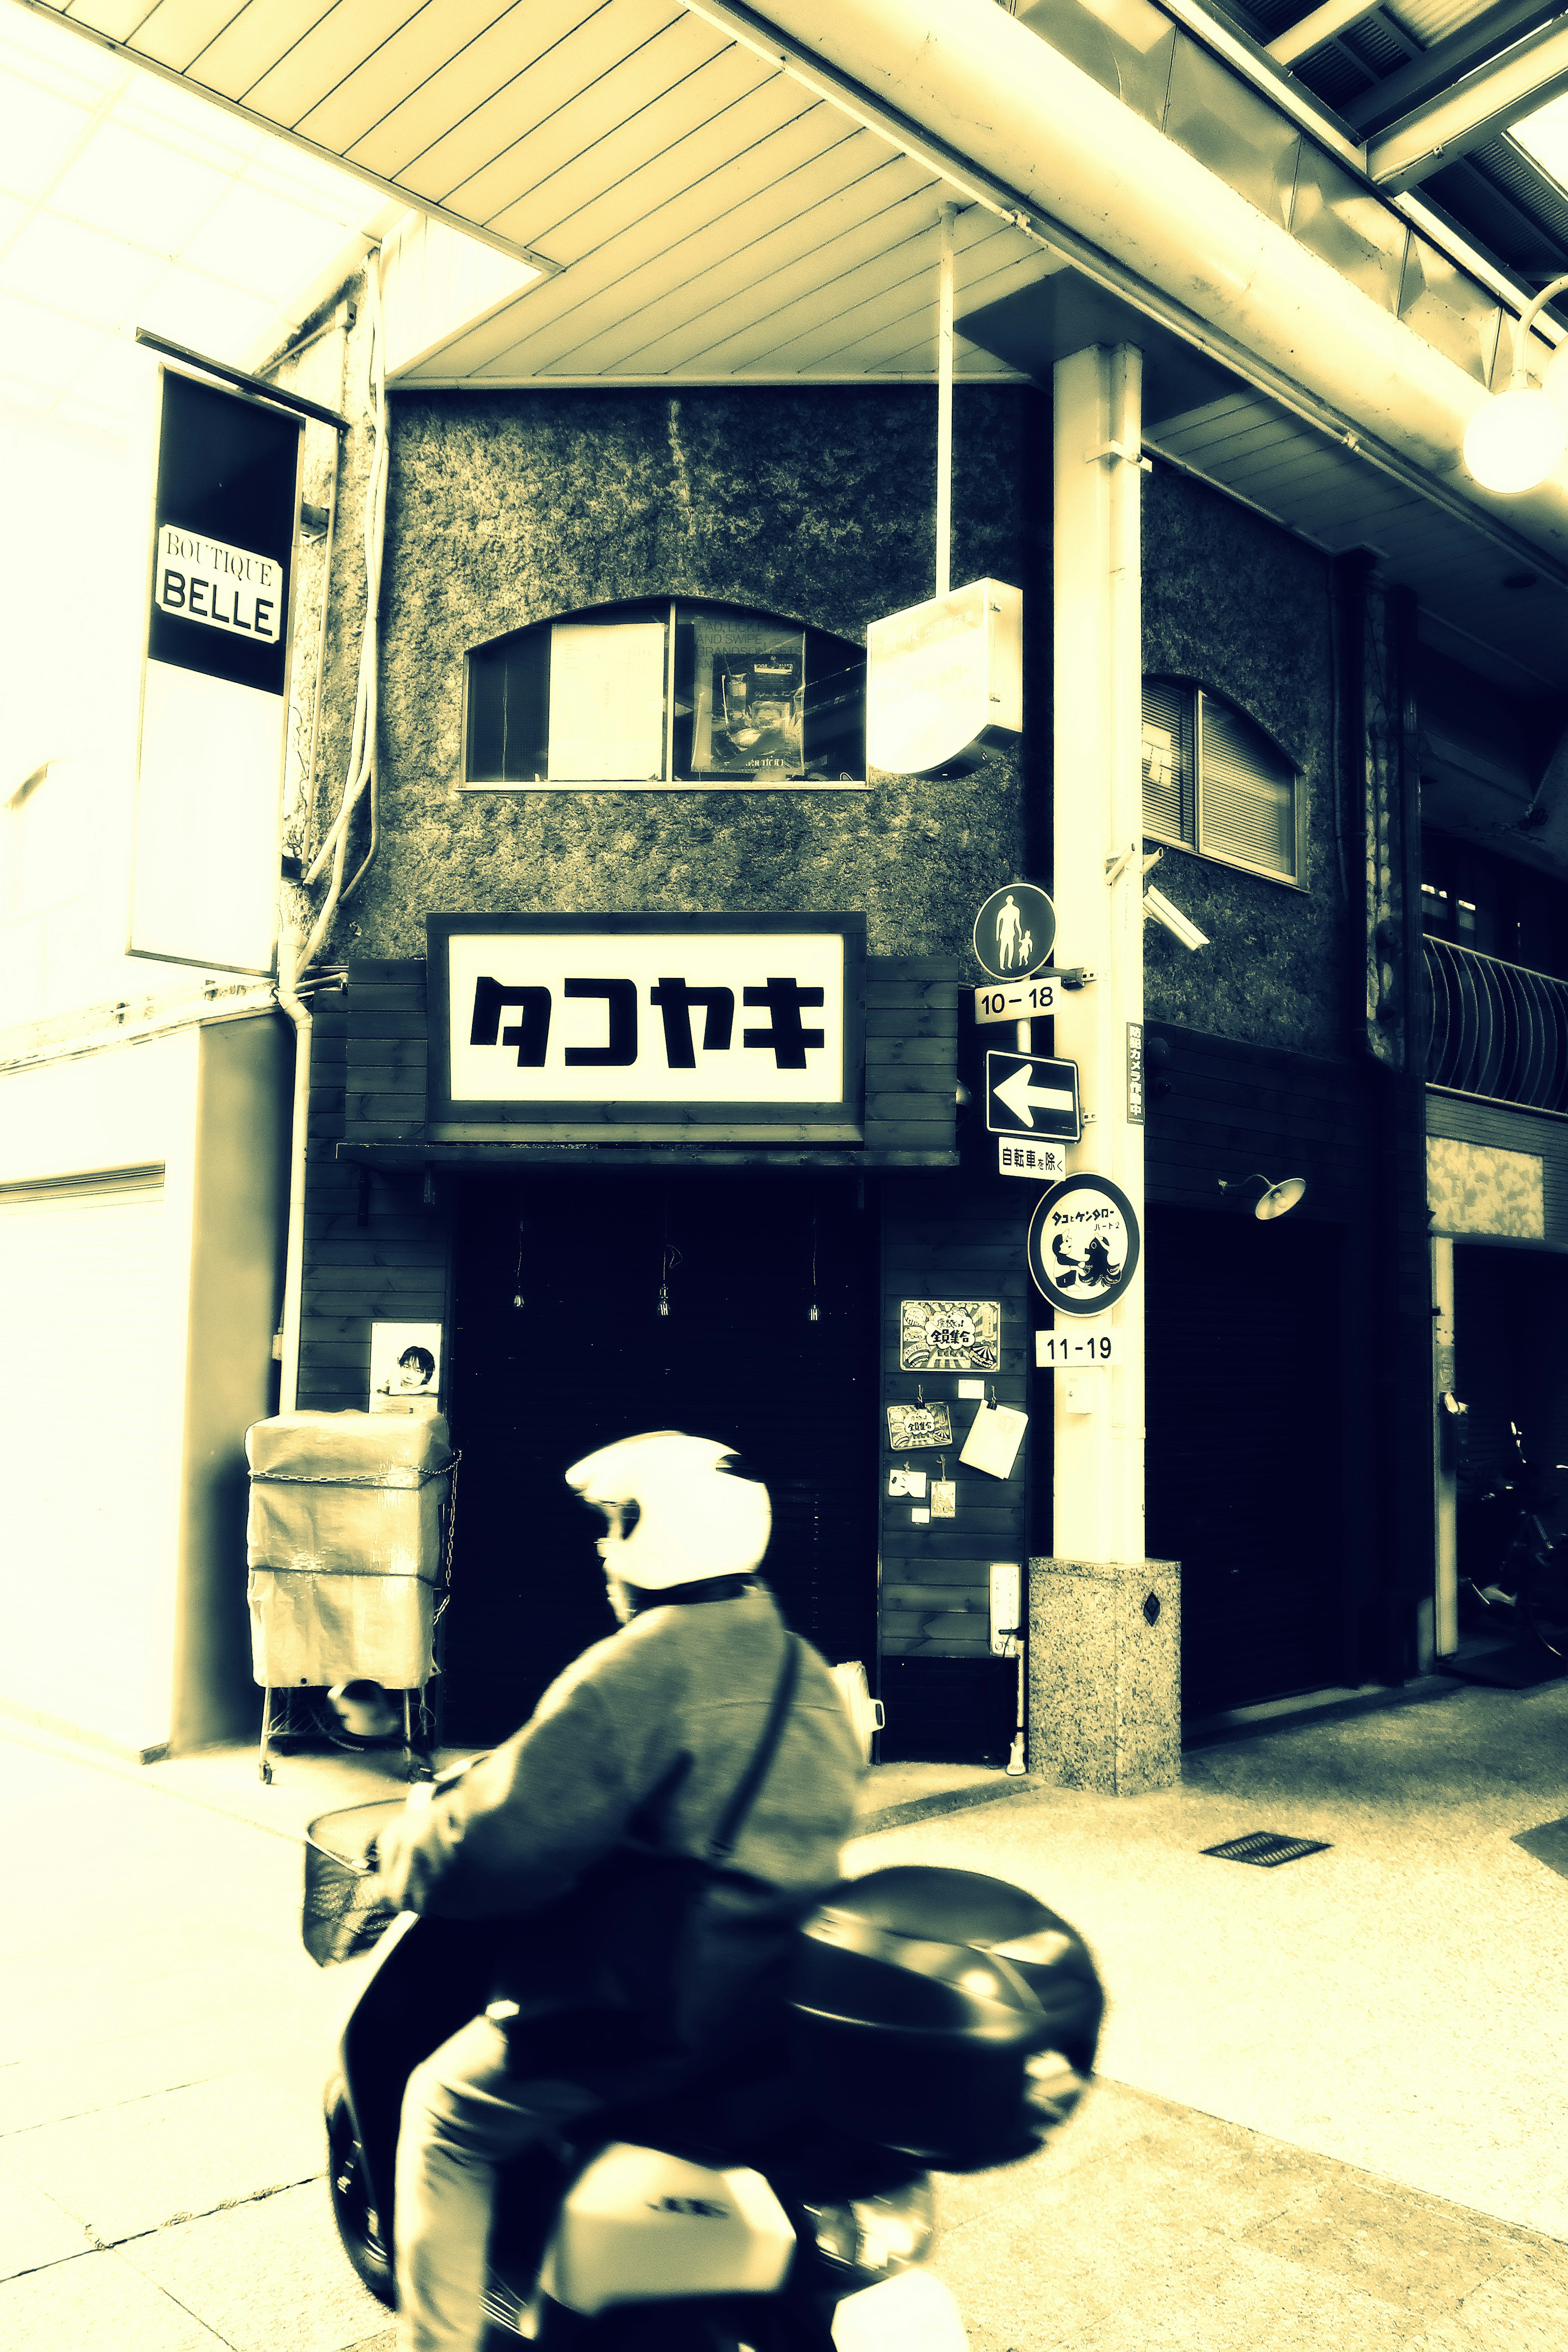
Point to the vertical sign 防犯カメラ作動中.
(215, 683)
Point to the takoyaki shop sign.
(680, 1026)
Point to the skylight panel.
(78, 270)
(140, 188)
(255, 239)
(37, 131)
(1544, 136)
(190, 308)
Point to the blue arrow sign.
(1031, 1094)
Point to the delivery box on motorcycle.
(944, 2013)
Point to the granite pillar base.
(1105, 1673)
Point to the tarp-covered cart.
(349, 1542)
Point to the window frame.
(646, 607)
(1199, 694)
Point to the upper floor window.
(1214, 781)
(662, 691)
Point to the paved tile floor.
(1330, 2119)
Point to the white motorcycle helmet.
(680, 1509)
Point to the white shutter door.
(86, 1404)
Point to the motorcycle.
(735, 2216)
(1516, 1574)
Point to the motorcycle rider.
(634, 1967)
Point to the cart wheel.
(419, 1771)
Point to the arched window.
(1214, 781)
(664, 691)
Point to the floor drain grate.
(1267, 1848)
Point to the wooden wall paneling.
(393, 1267)
(954, 1238)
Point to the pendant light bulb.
(814, 1315)
(1554, 384)
(663, 1300)
(1516, 440)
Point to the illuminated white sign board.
(589, 1025)
(945, 679)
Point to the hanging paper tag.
(898, 1483)
(944, 1499)
(920, 1516)
(915, 1484)
(994, 1437)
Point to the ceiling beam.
(1485, 103)
(1437, 68)
(1300, 39)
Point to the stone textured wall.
(505, 507)
(1240, 606)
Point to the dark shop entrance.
(740, 1259)
(1243, 1456)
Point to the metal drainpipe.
(293, 1004)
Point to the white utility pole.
(1099, 891)
(946, 216)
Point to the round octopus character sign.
(1083, 1244)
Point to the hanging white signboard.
(944, 680)
(215, 683)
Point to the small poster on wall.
(405, 1367)
(911, 1425)
(949, 1335)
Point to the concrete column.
(1087, 1720)
(1098, 829)
(1105, 1646)
(1439, 1635)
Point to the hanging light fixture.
(1273, 1200)
(1516, 439)
(670, 1256)
(814, 1313)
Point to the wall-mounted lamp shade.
(1514, 441)
(1273, 1200)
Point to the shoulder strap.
(722, 1843)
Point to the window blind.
(1248, 792)
(1167, 759)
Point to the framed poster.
(949, 1335)
(749, 717)
(405, 1367)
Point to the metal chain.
(441, 1606)
(406, 1485)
